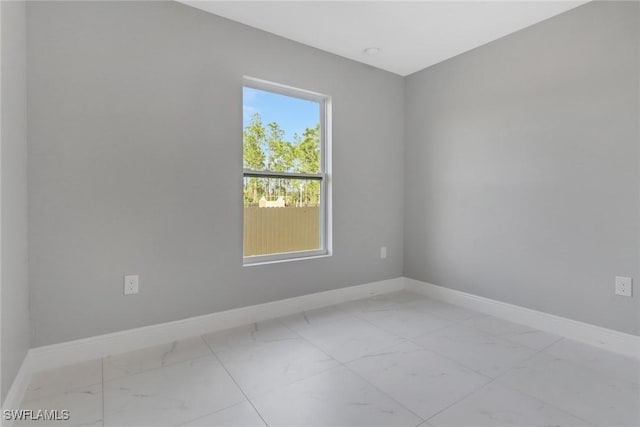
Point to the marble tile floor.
(397, 359)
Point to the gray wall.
(136, 165)
(15, 289)
(522, 167)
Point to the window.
(286, 172)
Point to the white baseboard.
(69, 352)
(118, 342)
(56, 355)
(17, 390)
(607, 339)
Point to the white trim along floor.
(398, 352)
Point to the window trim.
(324, 176)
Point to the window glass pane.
(280, 133)
(281, 215)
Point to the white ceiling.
(411, 35)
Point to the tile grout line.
(492, 381)
(410, 340)
(495, 380)
(355, 315)
(355, 373)
(448, 358)
(214, 354)
(595, 372)
(402, 339)
(301, 379)
(407, 338)
(384, 393)
(210, 413)
(234, 381)
(511, 341)
(460, 322)
(541, 351)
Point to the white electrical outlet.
(131, 284)
(624, 286)
(383, 252)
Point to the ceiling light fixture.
(372, 50)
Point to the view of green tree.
(265, 148)
(253, 139)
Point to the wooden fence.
(277, 230)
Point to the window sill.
(287, 257)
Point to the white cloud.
(248, 111)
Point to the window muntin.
(285, 188)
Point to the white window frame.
(324, 176)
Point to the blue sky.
(292, 114)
